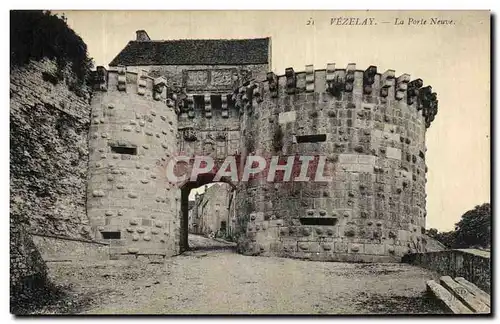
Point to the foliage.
(432, 232)
(473, 230)
(446, 238)
(37, 34)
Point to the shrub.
(473, 230)
(37, 34)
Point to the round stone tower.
(134, 127)
(366, 130)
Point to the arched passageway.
(202, 179)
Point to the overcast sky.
(453, 58)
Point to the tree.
(432, 232)
(37, 34)
(474, 229)
(446, 238)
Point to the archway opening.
(211, 210)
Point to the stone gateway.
(218, 98)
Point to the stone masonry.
(48, 151)
(218, 98)
(371, 128)
(131, 203)
(49, 126)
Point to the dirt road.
(213, 279)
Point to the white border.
(189, 5)
(255, 4)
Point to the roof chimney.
(142, 36)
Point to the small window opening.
(124, 150)
(199, 102)
(111, 235)
(216, 101)
(323, 221)
(311, 138)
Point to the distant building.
(211, 211)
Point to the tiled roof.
(195, 51)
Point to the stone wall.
(28, 272)
(48, 169)
(370, 129)
(57, 249)
(208, 123)
(474, 265)
(49, 127)
(206, 78)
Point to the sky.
(452, 56)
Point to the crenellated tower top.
(129, 79)
(347, 84)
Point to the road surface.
(214, 279)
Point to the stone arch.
(185, 188)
